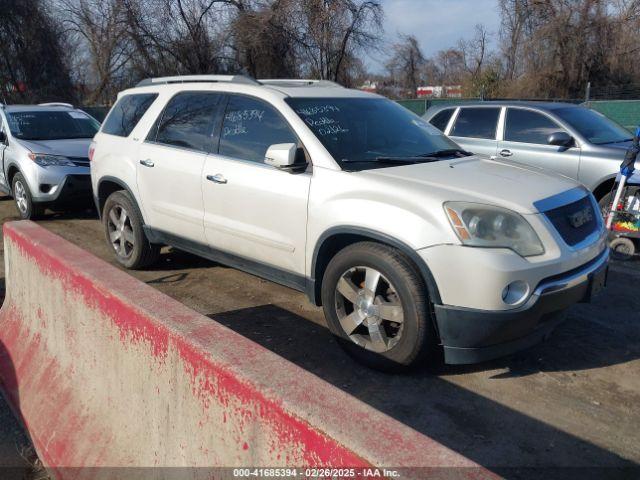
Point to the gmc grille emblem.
(581, 217)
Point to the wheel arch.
(337, 238)
(12, 169)
(604, 187)
(108, 185)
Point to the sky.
(437, 24)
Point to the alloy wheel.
(369, 309)
(20, 194)
(120, 231)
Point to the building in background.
(440, 91)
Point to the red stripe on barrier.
(313, 421)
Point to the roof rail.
(55, 104)
(197, 78)
(299, 82)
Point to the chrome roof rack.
(55, 104)
(299, 82)
(197, 78)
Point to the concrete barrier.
(105, 371)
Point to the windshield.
(370, 132)
(593, 126)
(48, 125)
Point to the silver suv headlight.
(481, 225)
(51, 160)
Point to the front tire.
(124, 233)
(27, 208)
(376, 303)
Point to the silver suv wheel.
(369, 309)
(20, 196)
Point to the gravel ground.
(571, 402)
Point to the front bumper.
(74, 189)
(472, 336)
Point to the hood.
(474, 179)
(76, 147)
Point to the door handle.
(147, 163)
(217, 178)
(506, 153)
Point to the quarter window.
(441, 119)
(480, 122)
(126, 114)
(187, 121)
(250, 127)
(528, 127)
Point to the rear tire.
(27, 208)
(391, 326)
(124, 232)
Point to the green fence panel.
(624, 112)
(417, 106)
(98, 112)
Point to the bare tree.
(407, 64)
(32, 58)
(98, 31)
(180, 36)
(264, 42)
(330, 33)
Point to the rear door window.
(126, 113)
(250, 127)
(441, 119)
(188, 121)
(479, 122)
(527, 126)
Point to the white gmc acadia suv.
(408, 242)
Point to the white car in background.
(409, 243)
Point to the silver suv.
(408, 242)
(569, 139)
(45, 156)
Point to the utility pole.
(587, 94)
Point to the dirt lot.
(570, 402)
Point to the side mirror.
(560, 139)
(3, 137)
(282, 156)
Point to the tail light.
(92, 150)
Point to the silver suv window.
(188, 121)
(594, 126)
(527, 126)
(476, 122)
(250, 127)
(441, 119)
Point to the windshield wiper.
(450, 152)
(408, 160)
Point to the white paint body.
(275, 217)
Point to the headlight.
(51, 160)
(488, 226)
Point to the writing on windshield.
(368, 129)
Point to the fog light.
(515, 292)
